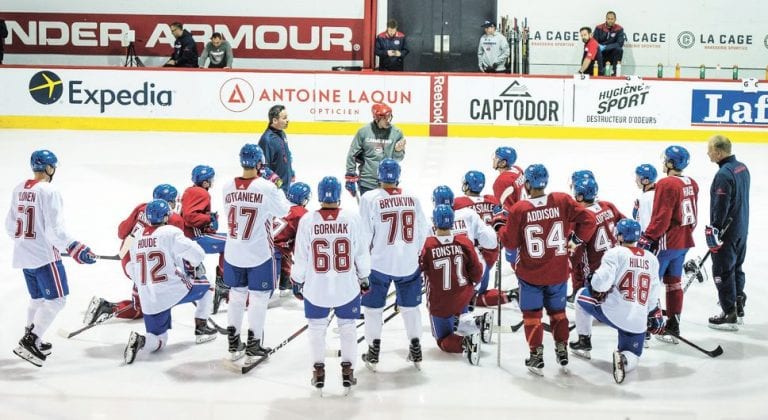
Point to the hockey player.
(331, 270)
(645, 179)
(394, 226)
(372, 143)
(167, 269)
(537, 227)
(251, 203)
(100, 309)
(670, 230)
(468, 222)
(623, 293)
(35, 222)
(586, 259)
(284, 231)
(451, 269)
(508, 186)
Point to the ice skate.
(414, 353)
(318, 377)
(468, 325)
(619, 362)
(724, 322)
(471, 348)
(236, 347)
(561, 354)
(254, 351)
(347, 377)
(582, 347)
(571, 299)
(671, 330)
(204, 332)
(220, 292)
(99, 310)
(29, 351)
(485, 322)
(45, 348)
(371, 358)
(647, 341)
(740, 302)
(135, 343)
(535, 362)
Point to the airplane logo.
(46, 87)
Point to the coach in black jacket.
(184, 49)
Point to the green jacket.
(369, 147)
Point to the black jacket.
(730, 198)
(185, 50)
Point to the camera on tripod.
(129, 42)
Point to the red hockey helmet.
(381, 111)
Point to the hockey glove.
(351, 184)
(298, 290)
(194, 272)
(656, 321)
(81, 253)
(636, 210)
(574, 242)
(499, 219)
(365, 286)
(647, 244)
(214, 221)
(713, 238)
(272, 177)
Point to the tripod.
(131, 59)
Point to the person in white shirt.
(622, 293)
(645, 178)
(35, 222)
(250, 203)
(493, 51)
(395, 228)
(331, 269)
(167, 269)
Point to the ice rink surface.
(103, 175)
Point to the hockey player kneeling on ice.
(331, 270)
(394, 226)
(451, 269)
(251, 202)
(623, 293)
(167, 269)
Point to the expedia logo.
(515, 103)
(686, 39)
(46, 87)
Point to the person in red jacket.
(99, 309)
(538, 227)
(284, 232)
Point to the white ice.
(103, 175)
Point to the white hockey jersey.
(250, 206)
(394, 225)
(467, 221)
(157, 266)
(630, 276)
(330, 256)
(35, 222)
(645, 208)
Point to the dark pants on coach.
(727, 272)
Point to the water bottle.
(660, 71)
(735, 75)
(702, 72)
(608, 69)
(677, 71)
(618, 69)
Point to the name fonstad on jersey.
(147, 243)
(386, 203)
(447, 251)
(27, 196)
(331, 228)
(243, 196)
(541, 214)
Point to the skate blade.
(667, 339)
(200, 339)
(26, 355)
(371, 366)
(237, 355)
(584, 354)
(724, 327)
(249, 360)
(740, 320)
(564, 370)
(536, 371)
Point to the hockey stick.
(65, 334)
(506, 329)
(99, 257)
(337, 353)
(693, 269)
(498, 308)
(711, 353)
(248, 368)
(548, 328)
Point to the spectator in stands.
(3, 34)
(592, 56)
(493, 51)
(610, 39)
(218, 51)
(390, 48)
(184, 49)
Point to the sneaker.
(371, 358)
(535, 362)
(135, 343)
(45, 348)
(318, 376)
(740, 302)
(99, 310)
(414, 352)
(347, 376)
(470, 345)
(561, 353)
(204, 332)
(236, 347)
(582, 347)
(254, 348)
(29, 351)
(726, 322)
(619, 363)
(671, 330)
